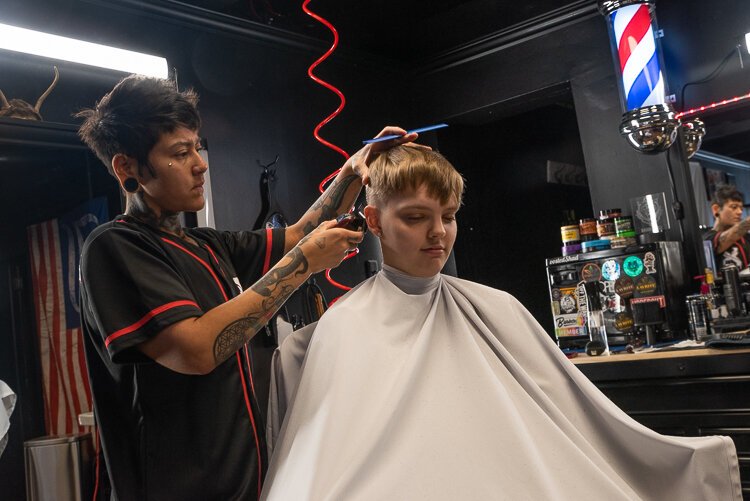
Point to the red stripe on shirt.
(716, 239)
(252, 420)
(269, 246)
(742, 250)
(249, 369)
(148, 316)
(201, 261)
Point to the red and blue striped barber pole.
(649, 123)
(641, 74)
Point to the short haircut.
(405, 168)
(727, 193)
(133, 116)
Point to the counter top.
(655, 355)
(699, 362)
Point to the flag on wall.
(55, 251)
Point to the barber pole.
(649, 123)
(641, 75)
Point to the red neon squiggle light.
(316, 132)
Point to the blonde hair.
(405, 168)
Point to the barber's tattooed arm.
(274, 288)
(728, 237)
(337, 199)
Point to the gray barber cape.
(444, 389)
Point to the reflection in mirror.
(724, 158)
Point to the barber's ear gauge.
(130, 184)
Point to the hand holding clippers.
(352, 221)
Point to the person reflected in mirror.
(728, 236)
(167, 311)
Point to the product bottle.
(732, 290)
(711, 295)
(598, 343)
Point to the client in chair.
(417, 385)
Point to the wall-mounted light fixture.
(78, 51)
(648, 123)
(747, 41)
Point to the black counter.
(685, 393)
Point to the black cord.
(677, 208)
(314, 301)
(708, 78)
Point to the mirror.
(724, 158)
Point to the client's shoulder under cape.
(460, 394)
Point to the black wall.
(511, 219)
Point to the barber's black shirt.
(165, 435)
(737, 254)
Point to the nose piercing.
(169, 164)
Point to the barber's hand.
(361, 159)
(326, 246)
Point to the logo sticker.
(646, 285)
(649, 261)
(568, 303)
(632, 266)
(580, 293)
(624, 287)
(661, 300)
(591, 273)
(611, 270)
(623, 322)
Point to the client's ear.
(372, 216)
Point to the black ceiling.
(410, 33)
(405, 31)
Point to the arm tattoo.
(330, 201)
(274, 291)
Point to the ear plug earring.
(130, 184)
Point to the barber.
(167, 311)
(728, 236)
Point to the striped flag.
(55, 250)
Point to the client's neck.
(410, 284)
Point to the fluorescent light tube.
(78, 51)
(747, 41)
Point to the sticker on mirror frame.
(591, 272)
(649, 261)
(632, 266)
(611, 270)
(624, 287)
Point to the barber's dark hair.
(132, 117)
(727, 193)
